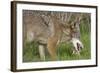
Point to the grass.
(64, 51)
(30, 52)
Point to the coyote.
(51, 28)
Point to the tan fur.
(55, 37)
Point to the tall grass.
(64, 51)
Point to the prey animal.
(77, 46)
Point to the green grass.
(30, 52)
(64, 51)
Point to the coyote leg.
(51, 45)
(42, 52)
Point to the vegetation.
(31, 54)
